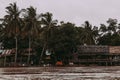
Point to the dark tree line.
(25, 28)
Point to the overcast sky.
(75, 11)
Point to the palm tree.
(32, 26)
(12, 23)
(48, 24)
(89, 34)
(111, 28)
(1, 31)
(112, 25)
(109, 34)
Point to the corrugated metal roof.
(6, 52)
(93, 49)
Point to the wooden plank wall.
(114, 49)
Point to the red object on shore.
(59, 63)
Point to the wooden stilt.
(5, 61)
(106, 64)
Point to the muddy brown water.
(61, 73)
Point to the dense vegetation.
(21, 29)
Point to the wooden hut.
(7, 57)
(98, 55)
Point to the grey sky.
(76, 11)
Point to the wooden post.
(5, 61)
(106, 64)
(21, 59)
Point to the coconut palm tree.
(32, 26)
(89, 34)
(109, 34)
(48, 23)
(12, 24)
(1, 31)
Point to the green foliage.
(66, 39)
(42, 32)
(109, 35)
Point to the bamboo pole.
(5, 61)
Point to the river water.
(60, 73)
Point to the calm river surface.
(60, 73)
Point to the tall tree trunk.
(42, 52)
(45, 45)
(29, 51)
(16, 41)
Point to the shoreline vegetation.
(32, 38)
